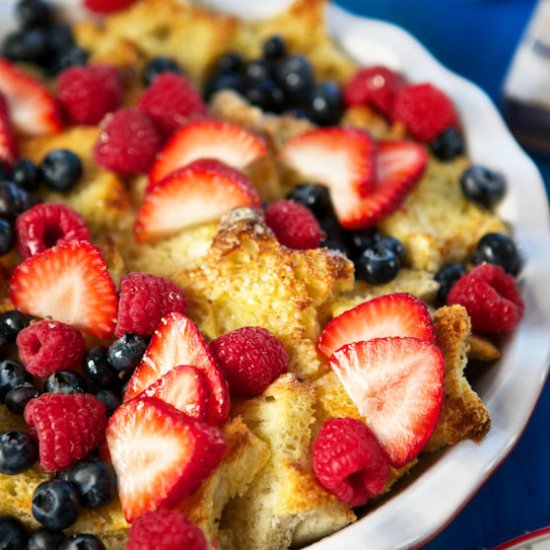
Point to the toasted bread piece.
(482, 349)
(284, 504)
(366, 118)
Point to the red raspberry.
(377, 86)
(251, 358)
(171, 101)
(349, 462)
(68, 427)
(164, 530)
(45, 225)
(490, 297)
(128, 142)
(294, 225)
(88, 93)
(144, 300)
(107, 6)
(48, 346)
(425, 110)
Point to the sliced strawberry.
(160, 455)
(200, 192)
(70, 283)
(178, 341)
(389, 315)
(8, 144)
(341, 158)
(397, 385)
(400, 165)
(185, 388)
(33, 109)
(215, 139)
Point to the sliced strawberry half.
(400, 165)
(389, 315)
(185, 388)
(215, 139)
(178, 341)
(70, 283)
(33, 109)
(397, 385)
(160, 455)
(200, 192)
(341, 158)
(8, 144)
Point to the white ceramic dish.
(510, 388)
(536, 540)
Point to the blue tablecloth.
(477, 40)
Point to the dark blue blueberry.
(60, 39)
(5, 171)
(158, 65)
(12, 322)
(125, 353)
(4, 347)
(229, 62)
(82, 542)
(326, 105)
(498, 249)
(33, 13)
(12, 374)
(61, 170)
(274, 47)
(393, 244)
(25, 174)
(95, 482)
(18, 397)
(29, 46)
(7, 236)
(266, 95)
(448, 145)
(45, 539)
(65, 381)
(18, 452)
(335, 237)
(55, 504)
(228, 81)
(11, 200)
(258, 71)
(483, 185)
(110, 399)
(377, 265)
(75, 56)
(447, 276)
(363, 238)
(295, 77)
(315, 197)
(97, 368)
(13, 535)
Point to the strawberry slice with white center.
(397, 385)
(160, 455)
(8, 144)
(398, 314)
(343, 159)
(200, 192)
(226, 142)
(185, 388)
(69, 283)
(178, 341)
(33, 108)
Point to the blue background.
(477, 40)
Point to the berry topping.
(376, 86)
(18, 452)
(448, 145)
(388, 315)
(326, 105)
(33, 109)
(7, 236)
(97, 368)
(13, 533)
(95, 482)
(294, 225)
(45, 539)
(128, 142)
(143, 300)
(14, 200)
(26, 175)
(447, 276)
(33, 13)
(159, 65)
(224, 81)
(68, 427)
(160, 455)
(164, 530)
(274, 47)
(61, 170)
(213, 139)
(55, 504)
(45, 225)
(200, 192)
(12, 322)
(349, 462)
(177, 341)
(397, 385)
(171, 101)
(69, 283)
(294, 74)
(498, 249)
(110, 399)
(425, 110)
(8, 143)
(185, 388)
(377, 264)
(12, 375)
(49, 346)
(18, 397)
(65, 381)
(483, 185)
(107, 6)
(88, 93)
(490, 297)
(82, 541)
(251, 358)
(315, 197)
(125, 354)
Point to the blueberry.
(13, 535)
(12, 322)
(45, 539)
(220, 82)
(7, 236)
(4, 347)
(75, 56)
(483, 185)
(95, 482)
(229, 62)
(335, 236)
(61, 169)
(12, 374)
(55, 504)
(295, 76)
(448, 145)
(60, 39)
(158, 65)
(29, 46)
(274, 47)
(65, 381)
(82, 542)
(258, 71)
(266, 95)
(25, 174)
(18, 452)
(11, 200)
(377, 265)
(326, 104)
(363, 238)
(393, 244)
(33, 13)
(498, 249)
(18, 397)
(313, 196)
(5, 171)
(110, 400)
(125, 353)
(447, 276)
(97, 368)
